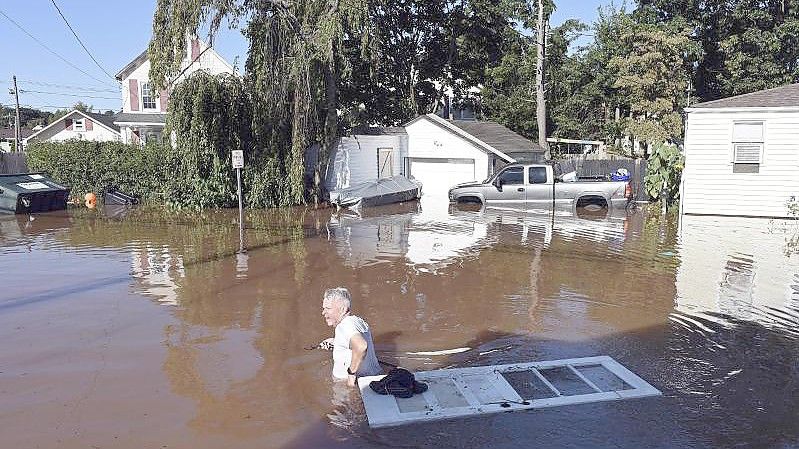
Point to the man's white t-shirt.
(342, 354)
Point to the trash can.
(26, 193)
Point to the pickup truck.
(536, 185)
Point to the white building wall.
(59, 133)
(355, 159)
(428, 140)
(709, 184)
(210, 61)
(98, 134)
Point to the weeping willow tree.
(293, 70)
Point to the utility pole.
(17, 135)
(540, 107)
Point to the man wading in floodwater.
(353, 351)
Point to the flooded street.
(149, 329)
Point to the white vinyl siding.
(429, 141)
(710, 184)
(355, 159)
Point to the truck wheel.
(592, 203)
(469, 200)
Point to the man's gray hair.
(340, 295)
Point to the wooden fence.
(603, 167)
(13, 163)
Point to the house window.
(79, 125)
(385, 162)
(147, 97)
(747, 147)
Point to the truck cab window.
(538, 175)
(512, 176)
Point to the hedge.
(88, 166)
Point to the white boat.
(377, 192)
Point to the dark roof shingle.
(778, 97)
(105, 119)
(130, 117)
(498, 136)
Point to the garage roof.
(490, 136)
(498, 136)
(778, 97)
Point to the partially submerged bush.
(88, 166)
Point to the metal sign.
(237, 156)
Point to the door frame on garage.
(408, 161)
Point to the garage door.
(438, 175)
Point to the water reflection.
(704, 317)
(741, 268)
(430, 241)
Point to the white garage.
(442, 153)
(439, 174)
(438, 152)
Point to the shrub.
(88, 166)
(664, 169)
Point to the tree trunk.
(541, 108)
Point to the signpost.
(237, 157)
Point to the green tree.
(58, 113)
(651, 79)
(293, 67)
(209, 117)
(747, 45)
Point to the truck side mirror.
(498, 184)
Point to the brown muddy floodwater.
(149, 329)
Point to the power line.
(65, 86)
(78, 39)
(48, 49)
(67, 95)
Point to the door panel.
(439, 175)
(513, 188)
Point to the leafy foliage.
(209, 117)
(663, 172)
(88, 166)
(747, 45)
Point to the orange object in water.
(91, 200)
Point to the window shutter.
(747, 153)
(89, 125)
(133, 88)
(68, 124)
(195, 49)
(163, 99)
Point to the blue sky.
(115, 32)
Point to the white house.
(442, 153)
(742, 154)
(438, 152)
(143, 113)
(78, 125)
(144, 110)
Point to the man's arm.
(358, 347)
